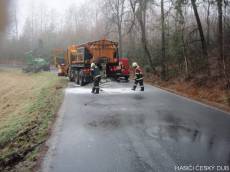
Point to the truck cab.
(122, 70)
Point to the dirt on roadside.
(211, 92)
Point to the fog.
(24, 7)
(157, 34)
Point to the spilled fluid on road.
(87, 90)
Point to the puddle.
(118, 91)
(78, 90)
(87, 90)
(197, 144)
(138, 97)
(111, 121)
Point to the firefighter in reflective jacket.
(96, 77)
(138, 77)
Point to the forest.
(179, 113)
(169, 38)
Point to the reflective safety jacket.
(138, 74)
(95, 72)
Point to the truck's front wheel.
(71, 75)
(127, 78)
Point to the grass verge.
(29, 104)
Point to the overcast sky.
(58, 5)
(23, 6)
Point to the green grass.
(26, 129)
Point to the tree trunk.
(185, 54)
(145, 44)
(141, 15)
(220, 35)
(222, 62)
(202, 38)
(163, 73)
(121, 8)
(120, 40)
(16, 23)
(208, 24)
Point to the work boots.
(134, 88)
(93, 90)
(97, 91)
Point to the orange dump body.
(103, 51)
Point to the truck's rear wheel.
(77, 78)
(81, 79)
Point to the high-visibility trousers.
(140, 82)
(96, 85)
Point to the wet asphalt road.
(124, 131)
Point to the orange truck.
(79, 57)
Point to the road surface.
(125, 131)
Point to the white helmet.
(93, 65)
(134, 64)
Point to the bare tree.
(181, 29)
(163, 72)
(208, 22)
(200, 28)
(222, 61)
(115, 11)
(14, 21)
(139, 8)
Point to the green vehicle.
(35, 64)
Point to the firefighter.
(138, 77)
(96, 77)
